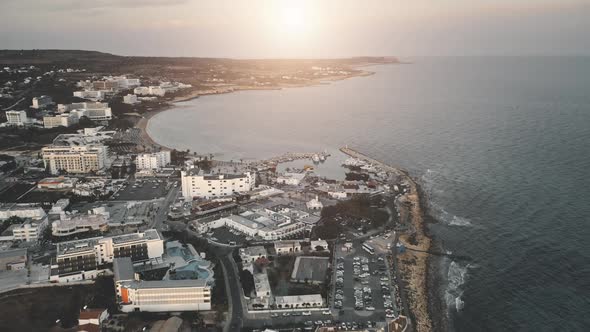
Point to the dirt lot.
(37, 309)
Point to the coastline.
(143, 123)
(415, 264)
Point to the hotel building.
(85, 259)
(197, 184)
(75, 159)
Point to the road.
(162, 213)
(234, 293)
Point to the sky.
(299, 28)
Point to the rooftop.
(76, 246)
(13, 253)
(123, 269)
(150, 234)
(152, 284)
(310, 268)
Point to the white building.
(293, 179)
(299, 301)
(16, 118)
(41, 102)
(63, 120)
(265, 223)
(75, 159)
(287, 247)
(94, 111)
(251, 254)
(314, 204)
(150, 91)
(197, 184)
(85, 259)
(22, 211)
(30, 230)
(153, 160)
(130, 99)
(97, 95)
(262, 286)
(70, 225)
(169, 294)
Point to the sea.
(500, 145)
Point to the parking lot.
(362, 285)
(142, 190)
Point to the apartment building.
(153, 160)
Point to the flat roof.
(123, 269)
(312, 268)
(70, 247)
(152, 284)
(150, 234)
(13, 253)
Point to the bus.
(369, 249)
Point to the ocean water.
(500, 144)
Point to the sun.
(293, 20)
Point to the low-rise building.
(130, 99)
(251, 254)
(69, 225)
(22, 211)
(263, 224)
(287, 247)
(57, 183)
(299, 301)
(293, 179)
(13, 259)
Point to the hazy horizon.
(298, 29)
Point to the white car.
(326, 312)
(306, 313)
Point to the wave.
(456, 277)
(442, 215)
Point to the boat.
(322, 158)
(315, 158)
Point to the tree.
(247, 280)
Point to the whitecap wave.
(456, 277)
(448, 218)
